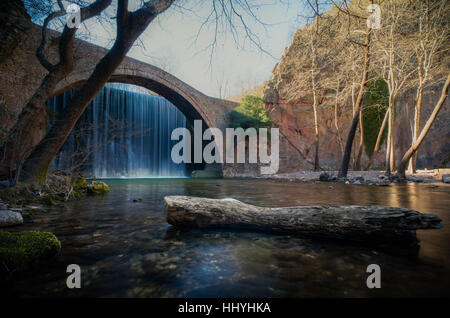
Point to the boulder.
(20, 250)
(10, 218)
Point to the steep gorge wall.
(296, 122)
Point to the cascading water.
(121, 134)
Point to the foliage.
(375, 105)
(20, 250)
(250, 114)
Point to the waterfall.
(123, 133)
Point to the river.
(125, 248)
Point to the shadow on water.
(126, 249)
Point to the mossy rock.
(21, 250)
(97, 187)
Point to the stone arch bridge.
(21, 74)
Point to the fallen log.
(357, 223)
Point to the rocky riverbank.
(362, 177)
(22, 250)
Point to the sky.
(179, 41)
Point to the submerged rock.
(10, 218)
(21, 250)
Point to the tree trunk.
(351, 134)
(336, 124)
(390, 151)
(378, 142)
(417, 116)
(361, 143)
(32, 123)
(410, 152)
(357, 223)
(129, 26)
(28, 130)
(316, 123)
(388, 148)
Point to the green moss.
(20, 250)
(97, 187)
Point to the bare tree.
(396, 68)
(365, 70)
(429, 44)
(426, 128)
(33, 120)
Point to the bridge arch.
(192, 103)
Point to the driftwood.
(358, 223)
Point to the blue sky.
(173, 42)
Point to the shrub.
(250, 114)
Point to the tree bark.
(357, 223)
(313, 84)
(410, 152)
(361, 142)
(129, 26)
(417, 114)
(336, 124)
(378, 142)
(351, 134)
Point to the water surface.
(126, 248)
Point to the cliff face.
(289, 98)
(296, 123)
